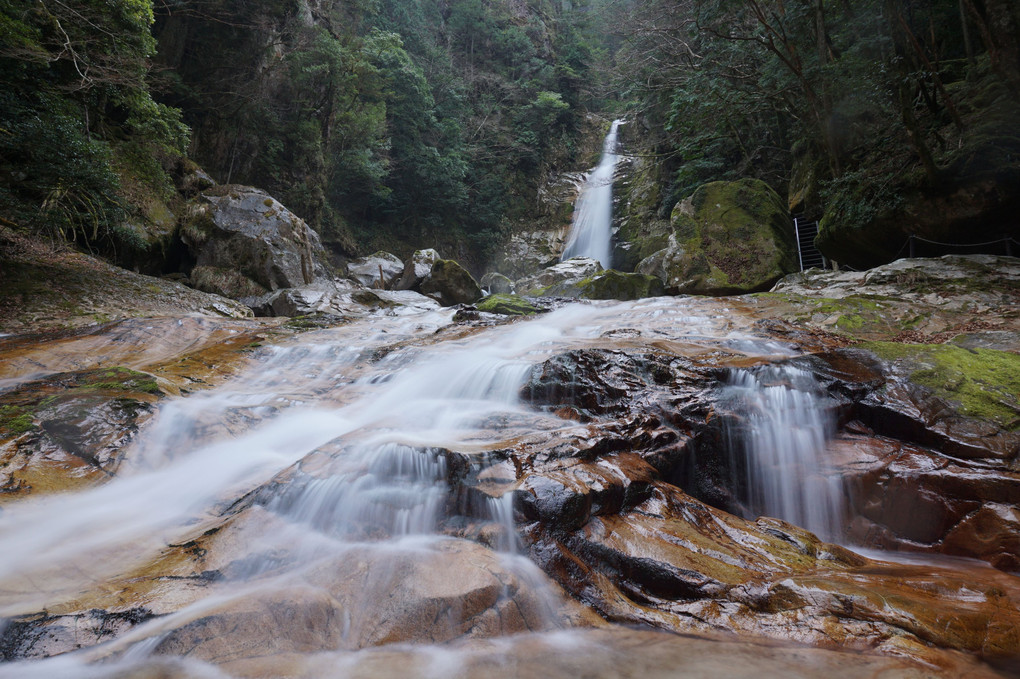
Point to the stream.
(362, 486)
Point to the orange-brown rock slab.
(613, 653)
(677, 564)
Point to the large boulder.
(449, 283)
(497, 284)
(379, 270)
(729, 238)
(245, 230)
(559, 275)
(530, 251)
(417, 269)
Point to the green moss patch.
(613, 284)
(983, 383)
(20, 408)
(856, 315)
(14, 421)
(508, 305)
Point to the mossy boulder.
(729, 238)
(508, 305)
(449, 283)
(614, 284)
(498, 284)
(609, 284)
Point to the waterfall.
(591, 225)
(777, 444)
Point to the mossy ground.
(611, 284)
(508, 305)
(19, 408)
(983, 383)
(864, 316)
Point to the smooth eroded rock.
(379, 270)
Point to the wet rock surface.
(71, 429)
(559, 275)
(610, 456)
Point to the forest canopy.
(396, 124)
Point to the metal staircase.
(808, 255)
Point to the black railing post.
(1009, 246)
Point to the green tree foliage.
(74, 103)
(386, 125)
(858, 91)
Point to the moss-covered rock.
(508, 305)
(982, 383)
(609, 284)
(614, 284)
(729, 238)
(70, 429)
(498, 284)
(449, 283)
(642, 231)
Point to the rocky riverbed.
(390, 491)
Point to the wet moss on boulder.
(981, 383)
(728, 238)
(70, 429)
(449, 283)
(508, 305)
(614, 284)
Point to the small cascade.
(779, 444)
(391, 490)
(591, 226)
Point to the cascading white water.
(592, 224)
(780, 447)
(340, 437)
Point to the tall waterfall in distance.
(591, 226)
